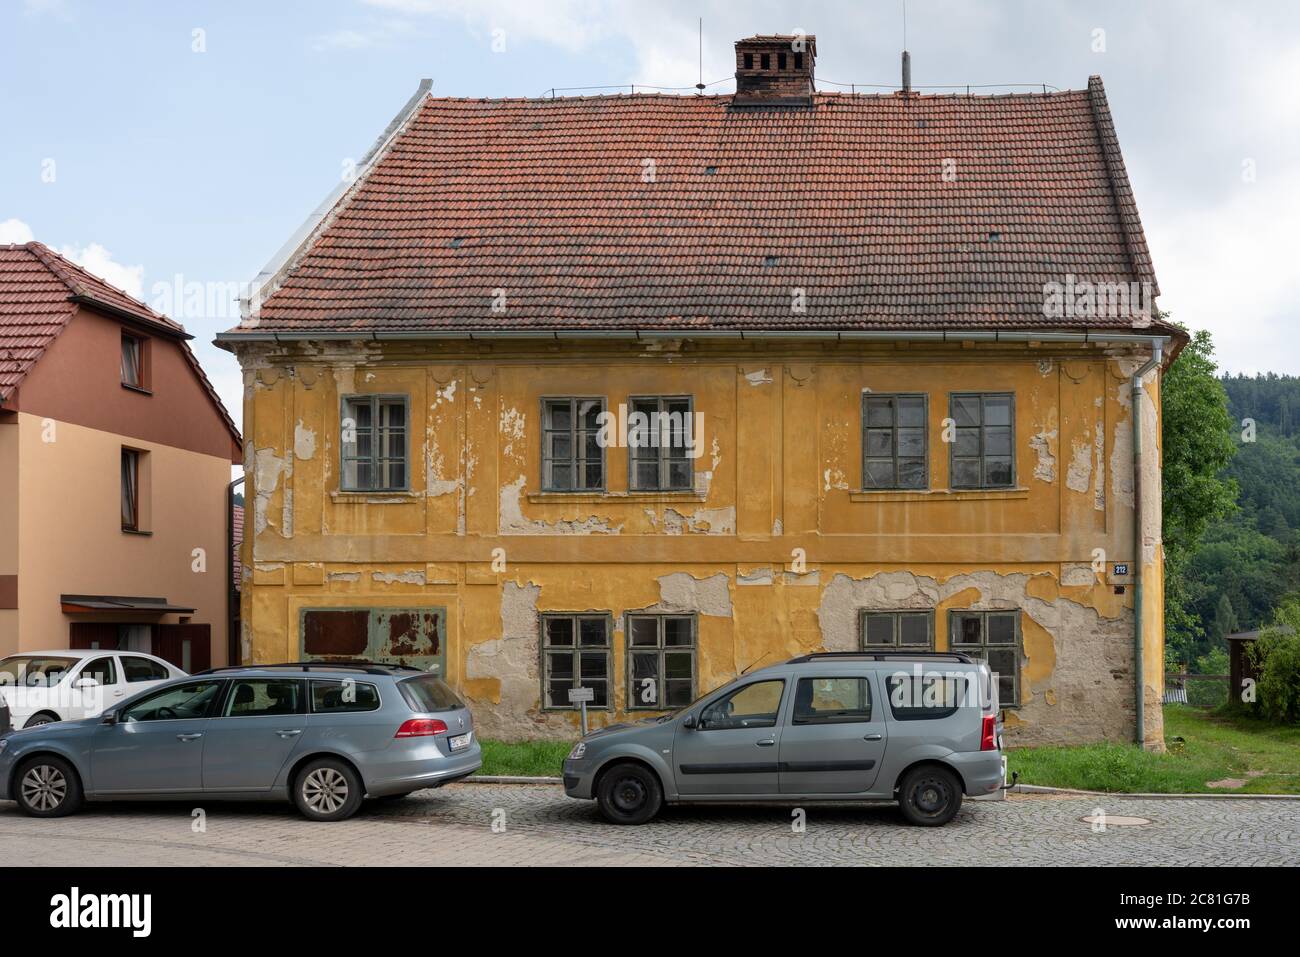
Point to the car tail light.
(420, 728)
(988, 734)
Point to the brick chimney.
(775, 70)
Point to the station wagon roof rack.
(884, 656)
(345, 664)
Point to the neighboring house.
(901, 434)
(115, 453)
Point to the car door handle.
(765, 743)
(289, 732)
(118, 694)
(873, 737)
(189, 737)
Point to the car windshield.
(33, 671)
(429, 693)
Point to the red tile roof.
(550, 203)
(39, 292)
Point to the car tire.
(629, 794)
(36, 720)
(47, 786)
(929, 796)
(327, 789)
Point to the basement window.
(660, 440)
(995, 637)
(660, 662)
(373, 443)
(896, 630)
(575, 654)
(573, 459)
(982, 453)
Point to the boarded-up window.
(335, 634)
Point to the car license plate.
(460, 741)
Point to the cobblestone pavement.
(454, 825)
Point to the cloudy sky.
(166, 144)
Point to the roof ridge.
(1121, 190)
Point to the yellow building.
(886, 346)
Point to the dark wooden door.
(172, 642)
(92, 634)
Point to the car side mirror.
(688, 722)
(85, 683)
(110, 717)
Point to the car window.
(103, 670)
(750, 706)
(336, 697)
(925, 696)
(250, 697)
(429, 693)
(832, 700)
(194, 699)
(35, 671)
(142, 669)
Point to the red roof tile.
(39, 292)
(550, 203)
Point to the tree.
(1225, 619)
(1197, 445)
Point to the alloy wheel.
(44, 787)
(325, 790)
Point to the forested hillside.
(1245, 563)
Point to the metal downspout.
(1139, 671)
(232, 597)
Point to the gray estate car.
(325, 735)
(920, 729)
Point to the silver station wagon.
(325, 735)
(920, 729)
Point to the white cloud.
(15, 231)
(95, 258)
(371, 36)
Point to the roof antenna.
(907, 57)
(700, 86)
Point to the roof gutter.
(1154, 340)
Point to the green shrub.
(1276, 657)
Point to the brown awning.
(90, 604)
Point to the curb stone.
(1042, 789)
(1018, 789)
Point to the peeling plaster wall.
(767, 546)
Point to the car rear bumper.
(400, 776)
(980, 770)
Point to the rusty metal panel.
(406, 636)
(334, 633)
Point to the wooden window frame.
(893, 397)
(133, 456)
(576, 461)
(142, 363)
(375, 401)
(981, 429)
(630, 651)
(897, 615)
(980, 651)
(577, 649)
(663, 460)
